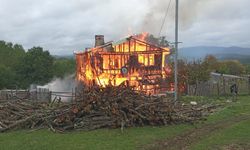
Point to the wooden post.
(50, 96)
(224, 87)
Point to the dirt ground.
(236, 146)
(185, 140)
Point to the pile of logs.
(110, 107)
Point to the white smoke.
(188, 12)
(61, 88)
(65, 84)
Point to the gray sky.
(63, 26)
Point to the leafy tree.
(20, 68)
(163, 42)
(233, 67)
(10, 55)
(222, 68)
(36, 67)
(198, 71)
(211, 62)
(226, 67)
(7, 77)
(182, 75)
(189, 73)
(160, 41)
(247, 69)
(63, 66)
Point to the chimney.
(99, 40)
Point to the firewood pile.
(110, 107)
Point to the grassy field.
(99, 139)
(235, 133)
(233, 136)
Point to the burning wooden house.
(132, 60)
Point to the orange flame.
(133, 60)
(143, 36)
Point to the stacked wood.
(95, 107)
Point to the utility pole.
(176, 52)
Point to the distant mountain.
(245, 59)
(199, 52)
(223, 53)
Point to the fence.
(219, 85)
(14, 94)
(38, 94)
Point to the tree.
(20, 68)
(7, 77)
(10, 55)
(198, 71)
(191, 73)
(63, 66)
(182, 75)
(160, 41)
(163, 42)
(36, 67)
(233, 67)
(247, 69)
(226, 67)
(211, 62)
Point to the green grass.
(132, 138)
(229, 109)
(237, 134)
(110, 139)
(233, 109)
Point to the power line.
(164, 19)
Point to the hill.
(222, 53)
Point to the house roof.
(123, 40)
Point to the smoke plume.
(65, 85)
(188, 11)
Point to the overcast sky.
(62, 26)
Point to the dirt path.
(186, 139)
